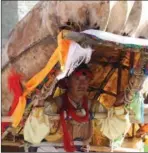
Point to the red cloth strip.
(15, 87)
(67, 106)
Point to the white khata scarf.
(76, 56)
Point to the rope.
(138, 75)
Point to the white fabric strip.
(117, 38)
(76, 56)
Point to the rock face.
(28, 55)
(9, 18)
(12, 13)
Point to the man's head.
(78, 81)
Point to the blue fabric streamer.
(137, 106)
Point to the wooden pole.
(97, 116)
(101, 39)
(92, 148)
(119, 75)
(11, 143)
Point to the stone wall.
(12, 12)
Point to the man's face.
(78, 85)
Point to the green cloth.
(145, 148)
(137, 106)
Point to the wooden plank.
(11, 143)
(102, 115)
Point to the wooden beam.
(94, 40)
(109, 93)
(119, 79)
(98, 116)
(108, 149)
(91, 147)
(11, 143)
(102, 91)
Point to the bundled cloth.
(37, 126)
(116, 124)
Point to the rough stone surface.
(45, 19)
(9, 18)
(12, 12)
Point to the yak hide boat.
(116, 32)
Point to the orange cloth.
(144, 128)
(37, 79)
(19, 111)
(60, 54)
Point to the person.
(76, 105)
(75, 112)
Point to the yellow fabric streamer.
(37, 79)
(60, 54)
(19, 111)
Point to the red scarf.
(14, 86)
(71, 111)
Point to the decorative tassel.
(15, 87)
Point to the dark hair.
(82, 66)
(62, 83)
